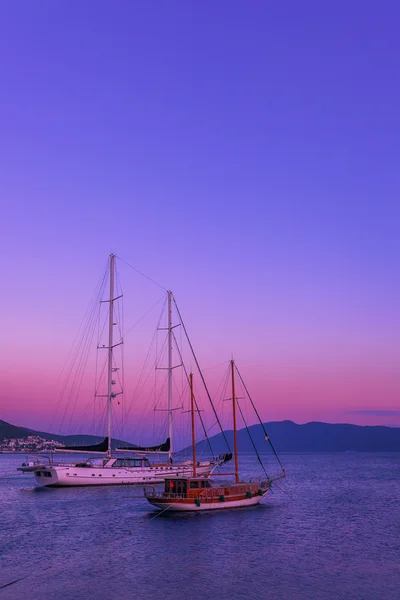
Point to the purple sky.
(244, 154)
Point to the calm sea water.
(331, 532)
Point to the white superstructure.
(114, 471)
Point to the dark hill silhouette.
(313, 437)
(7, 430)
(286, 436)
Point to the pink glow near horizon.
(296, 393)
(296, 373)
(305, 375)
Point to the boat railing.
(255, 480)
(34, 459)
(152, 492)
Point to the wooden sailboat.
(104, 468)
(199, 493)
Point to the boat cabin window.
(199, 483)
(128, 462)
(175, 486)
(96, 462)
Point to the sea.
(329, 531)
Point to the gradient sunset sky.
(243, 154)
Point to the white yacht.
(113, 471)
(103, 468)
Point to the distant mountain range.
(285, 435)
(14, 432)
(312, 437)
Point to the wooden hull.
(190, 505)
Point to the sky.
(243, 154)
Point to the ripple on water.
(331, 532)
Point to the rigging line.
(181, 346)
(80, 353)
(283, 490)
(123, 366)
(222, 390)
(251, 439)
(92, 301)
(76, 347)
(142, 380)
(146, 371)
(121, 379)
(155, 377)
(145, 412)
(153, 342)
(78, 356)
(114, 418)
(157, 355)
(85, 414)
(77, 381)
(218, 365)
(259, 418)
(145, 315)
(118, 319)
(140, 273)
(160, 394)
(179, 393)
(96, 368)
(195, 401)
(82, 372)
(105, 320)
(223, 387)
(201, 374)
(115, 366)
(102, 426)
(99, 381)
(139, 381)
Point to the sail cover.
(160, 448)
(102, 447)
(224, 458)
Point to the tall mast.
(235, 448)
(170, 374)
(110, 353)
(192, 411)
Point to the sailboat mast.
(170, 374)
(235, 448)
(193, 436)
(110, 352)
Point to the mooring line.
(160, 513)
(21, 578)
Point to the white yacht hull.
(70, 475)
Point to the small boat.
(34, 463)
(198, 493)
